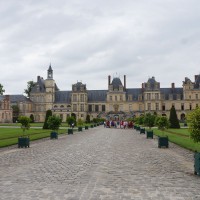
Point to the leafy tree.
(32, 118)
(54, 122)
(15, 112)
(79, 122)
(48, 114)
(149, 120)
(87, 119)
(174, 122)
(162, 122)
(30, 85)
(193, 118)
(71, 120)
(25, 123)
(1, 89)
(141, 120)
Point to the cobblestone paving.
(98, 164)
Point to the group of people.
(118, 124)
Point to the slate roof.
(197, 82)
(116, 82)
(63, 97)
(18, 98)
(173, 91)
(40, 84)
(135, 92)
(97, 95)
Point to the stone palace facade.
(117, 102)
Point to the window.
(190, 106)
(96, 108)
(103, 108)
(182, 106)
(74, 107)
(157, 106)
(149, 106)
(148, 96)
(197, 105)
(110, 98)
(74, 97)
(82, 98)
(130, 107)
(121, 98)
(82, 107)
(90, 108)
(163, 107)
(115, 98)
(156, 96)
(196, 96)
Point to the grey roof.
(40, 84)
(135, 92)
(172, 91)
(18, 98)
(63, 97)
(116, 82)
(197, 82)
(1, 97)
(97, 95)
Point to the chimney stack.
(173, 85)
(124, 82)
(108, 80)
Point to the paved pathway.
(98, 164)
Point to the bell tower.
(50, 72)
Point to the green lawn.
(180, 137)
(9, 136)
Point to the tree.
(30, 85)
(1, 89)
(174, 122)
(25, 123)
(193, 119)
(149, 120)
(54, 122)
(162, 122)
(15, 112)
(80, 122)
(71, 120)
(32, 118)
(48, 114)
(87, 119)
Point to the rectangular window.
(148, 96)
(115, 98)
(82, 107)
(96, 108)
(196, 96)
(90, 108)
(149, 106)
(121, 98)
(156, 96)
(157, 106)
(130, 107)
(103, 108)
(110, 98)
(190, 106)
(75, 97)
(197, 105)
(82, 98)
(74, 107)
(182, 106)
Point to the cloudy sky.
(87, 40)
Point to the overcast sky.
(87, 40)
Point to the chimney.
(195, 77)
(173, 85)
(108, 80)
(125, 82)
(38, 78)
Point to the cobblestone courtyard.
(98, 164)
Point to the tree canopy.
(1, 89)
(174, 122)
(30, 85)
(193, 119)
(149, 120)
(54, 122)
(48, 114)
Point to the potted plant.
(54, 123)
(193, 120)
(149, 120)
(80, 124)
(24, 140)
(162, 122)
